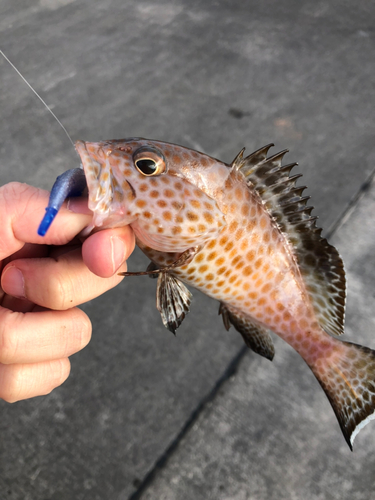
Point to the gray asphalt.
(145, 415)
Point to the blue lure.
(70, 183)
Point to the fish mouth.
(80, 148)
(109, 198)
(86, 156)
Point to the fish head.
(168, 194)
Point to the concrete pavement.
(143, 414)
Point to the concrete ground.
(145, 415)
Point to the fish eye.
(149, 161)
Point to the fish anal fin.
(319, 263)
(349, 383)
(172, 300)
(255, 336)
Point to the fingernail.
(78, 206)
(118, 252)
(13, 282)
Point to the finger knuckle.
(59, 292)
(84, 328)
(79, 334)
(8, 339)
(12, 383)
(58, 372)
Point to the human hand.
(43, 279)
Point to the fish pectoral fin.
(172, 300)
(255, 336)
(184, 258)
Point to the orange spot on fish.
(245, 209)
(177, 205)
(192, 216)
(250, 255)
(118, 196)
(244, 244)
(167, 216)
(233, 226)
(229, 246)
(247, 271)
(238, 193)
(235, 260)
(140, 203)
(211, 256)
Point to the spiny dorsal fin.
(319, 262)
(251, 160)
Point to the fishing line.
(38, 96)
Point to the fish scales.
(242, 234)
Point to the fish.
(243, 234)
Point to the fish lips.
(109, 200)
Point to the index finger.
(22, 208)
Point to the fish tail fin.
(348, 379)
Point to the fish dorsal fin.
(320, 264)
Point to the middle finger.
(55, 283)
(41, 336)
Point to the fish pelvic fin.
(349, 383)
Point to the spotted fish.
(243, 234)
